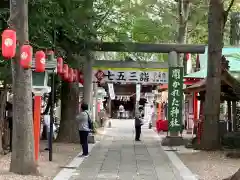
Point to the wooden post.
(37, 116)
(229, 111)
(195, 106)
(234, 116)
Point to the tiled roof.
(199, 74)
(232, 54)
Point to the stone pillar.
(87, 85)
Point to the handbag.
(90, 123)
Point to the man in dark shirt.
(138, 123)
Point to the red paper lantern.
(80, 77)
(70, 75)
(59, 65)
(9, 41)
(26, 54)
(40, 60)
(65, 72)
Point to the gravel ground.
(62, 155)
(208, 165)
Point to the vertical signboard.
(111, 91)
(138, 92)
(175, 99)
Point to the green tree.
(22, 157)
(217, 18)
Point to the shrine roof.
(199, 74)
(226, 79)
(232, 54)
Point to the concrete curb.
(68, 171)
(180, 169)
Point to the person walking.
(121, 111)
(138, 123)
(84, 127)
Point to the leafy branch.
(226, 12)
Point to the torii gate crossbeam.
(144, 47)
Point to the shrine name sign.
(175, 99)
(130, 75)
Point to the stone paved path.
(118, 156)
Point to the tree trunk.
(22, 158)
(210, 138)
(69, 107)
(183, 10)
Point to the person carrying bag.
(90, 123)
(85, 126)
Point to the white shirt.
(47, 123)
(153, 111)
(82, 119)
(121, 108)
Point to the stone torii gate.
(172, 49)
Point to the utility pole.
(22, 157)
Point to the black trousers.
(121, 115)
(84, 141)
(10, 139)
(10, 126)
(137, 132)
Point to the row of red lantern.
(9, 44)
(68, 74)
(9, 41)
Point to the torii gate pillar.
(87, 84)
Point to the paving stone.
(118, 156)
